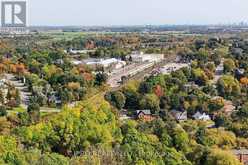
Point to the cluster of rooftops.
(147, 115)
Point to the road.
(219, 71)
(24, 94)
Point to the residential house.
(179, 115)
(59, 61)
(3, 82)
(239, 73)
(201, 116)
(123, 115)
(242, 155)
(228, 108)
(190, 86)
(145, 115)
(52, 98)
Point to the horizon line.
(142, 25)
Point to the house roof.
(199, 115)
(146, 112)
(228, 106)
(179, 114)
(241, 151)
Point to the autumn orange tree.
(20, 69)
(244, 81)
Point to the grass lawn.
(63, 35)
(47, 109)
(16, 110)
(44, 110)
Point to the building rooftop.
(240, 151)
(146, 112)
(179, 115)
(95, 61)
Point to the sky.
(135, 12)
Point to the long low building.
(101, 62)
(141, 57)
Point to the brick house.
(145, 115)
(242, 155)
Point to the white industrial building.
(101, 62)
(141, 57)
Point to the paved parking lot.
(170, 67)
